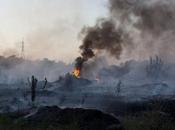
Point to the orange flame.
(76, 72)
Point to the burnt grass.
(155, 114)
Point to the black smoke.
(139, 28)
(103, 36)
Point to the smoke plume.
(134, 29)
(103, 36)
(17, 70)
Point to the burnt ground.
(130, 108)
(155, 114)
(148, 112)
(54, 118)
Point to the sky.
(49, 28)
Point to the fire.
(76, 72)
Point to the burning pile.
(76, 72)
(78, 67)
(101, 37)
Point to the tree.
(118, 87)
(45, 83)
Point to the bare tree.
(45, 83)
(118, 87)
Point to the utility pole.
(22, 49)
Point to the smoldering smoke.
(155, 16)
(17, 70)
(134, 29)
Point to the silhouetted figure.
(33, 88)
(45, 83)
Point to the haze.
(49, 27)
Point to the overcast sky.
(49, 27)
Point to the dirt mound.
(84, 119)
